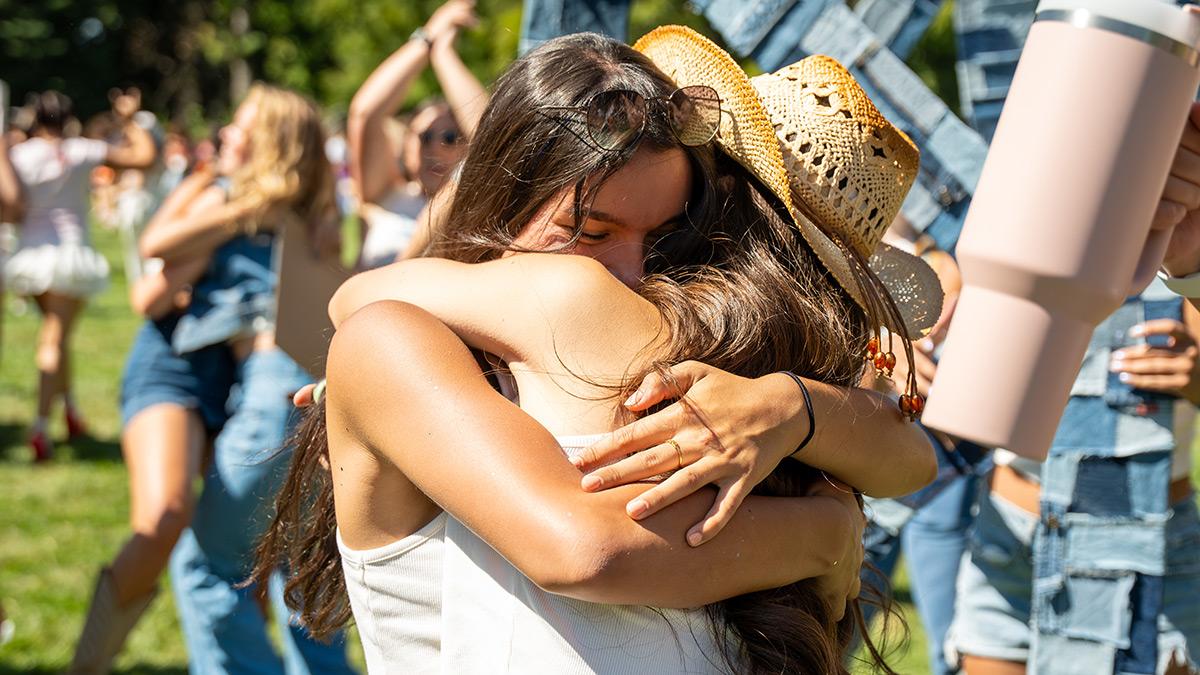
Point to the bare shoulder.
(369, 357)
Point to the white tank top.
(442, 600)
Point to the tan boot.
(106, 627)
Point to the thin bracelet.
(812, 423)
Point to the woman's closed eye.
(593, 237)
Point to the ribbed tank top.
(442, 600)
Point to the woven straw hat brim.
(748, 136)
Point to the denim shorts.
(155, 374)
(995, 585)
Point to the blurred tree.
(194, 58)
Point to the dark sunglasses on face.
(447, 137)
(617, 117)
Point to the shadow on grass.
(82, 449)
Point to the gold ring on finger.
(678, 451)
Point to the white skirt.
(73, 270)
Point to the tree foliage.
(185, 54)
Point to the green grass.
(60, 522)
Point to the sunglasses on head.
(616, 118)
(447, 137)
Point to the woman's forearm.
(201, 224)
(12, 197)
(138, 150)
(420, 401)
(466, 96)
(372, 160)
(858, 432)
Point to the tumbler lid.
(1147, 20)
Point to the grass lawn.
(61, 521)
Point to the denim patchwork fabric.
(235, 297)
(1100, 551)
(542, 20)
(989, 35)
(994, 615)
(778, 32)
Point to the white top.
(396, 596)
(493, 619)
(57, 179)
(390, 226)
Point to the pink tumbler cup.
(1056, 236)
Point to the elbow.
(579, 574)
(578, 562)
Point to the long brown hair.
(739, 290)
(763, 303)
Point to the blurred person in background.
(216, 237)
(396, 169)
(12, 199)
(54, 262)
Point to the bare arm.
(373, 166)
(12, 195)
(855, 427)
(420, 403)
(464, 93)
(137, 151)
(157, 294)
(194, 227)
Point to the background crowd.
(143, 102)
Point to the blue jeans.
(223, 626)
(933, 538)
(995, 607)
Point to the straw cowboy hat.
(809, 133)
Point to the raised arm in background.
(136, 150)
(374, 166)
(12, 194)
(466, 96)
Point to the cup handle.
(1151, 260)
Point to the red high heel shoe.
(75, 425)
(43, 449)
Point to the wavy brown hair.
(738, 290)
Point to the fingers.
(1167, 384)
(1167, 215)
(1191, 132)
(304, 397)
(1182, 191)
(729, 498)
(637, 435)
(1173, 328)
(648, 463)
(655, 388)
(677, 486)
(1153, 362)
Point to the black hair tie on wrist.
(812, 423)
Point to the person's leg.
(58, 318)
(234, 509)
(934, 542)
(162, 446)
(224, 629)
(990, 633)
